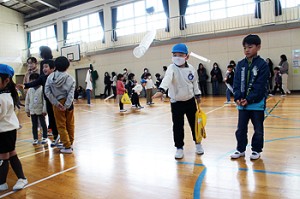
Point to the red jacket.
(120, 87)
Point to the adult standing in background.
(107, 82)
(216, 78)
(45, 54)
(284, 69)
(270, 64)
(89, 85)
(202, 78)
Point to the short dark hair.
(147, 75)
(230, 66)
(61, 63)
(50, 62)
(119, 76)
(32, 59)
(34, 76)
(283, 57)
(157, 75)
(277, 68)
(46, 52)
(251, 39)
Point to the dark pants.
(51, 118)
(280, 88)
(215, 87)
(88, 95)
(203, 87)
(114, 89)
(34, 121)
(107, 90)
(257, 119)
(135, 99)
(178, 109)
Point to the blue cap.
(6, 69)
(180, 48)
(143, 81)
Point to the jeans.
(228, 94)
(257, 119)
(34, 121)
(215, 87)
(179, 109)
(88, 96)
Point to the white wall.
(220, 50)
(12, 39)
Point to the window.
(289, 3)
(205, 10)
(43, 37)
(133, 18)
(85, 28)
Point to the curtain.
(182, 8)
(167, 12)
(55, 32)
(65, 31)
(28, 43)
(257, 13)
(114, 24)
(278, 9)
(101, 17)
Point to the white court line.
(215, 109)
(41, 180)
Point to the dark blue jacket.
(255, 90)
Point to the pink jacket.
(120, 88)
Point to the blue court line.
(198, 184)
(270, 172)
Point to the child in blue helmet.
(9, 124)
(182, 81)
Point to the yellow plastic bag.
(200, 122)
(125, 99)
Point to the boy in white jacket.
(182, 81)
(35, 107)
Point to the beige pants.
(65, 124)
(285, 83)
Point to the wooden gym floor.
(131, 155)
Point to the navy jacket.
(255, 90)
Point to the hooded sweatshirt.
(60, 85)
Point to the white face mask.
(178, 61)
(149, 77)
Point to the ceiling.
(33, 9)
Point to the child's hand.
(238, 102)
(244, 102)
(28, 114)
(44, 114)
(198, 100)
(61, 107)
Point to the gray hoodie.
(60, 85)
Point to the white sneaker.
(199, 149)
(3, 187)
(60, 145)
(35, 142)
(66, 150)
(55, 142)
(271, 95)
(44, 141)
(21, 183)
(255, 155)
(237, 154)
(179, 154)
(227, 102)
(123, 110)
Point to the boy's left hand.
(44, 114)
(244, 102)
(198, 100)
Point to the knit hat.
(180, 48)
(6, 69)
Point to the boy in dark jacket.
(229, 82)
(250, 93)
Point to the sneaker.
(35, 142)
(123, 110)
(60, 145)
(255, 155)
(179, 154)
(271, 95)
(140, 107)
(133, 106)
(237, 154)
(66, 150)
(54, 142)
(44, 141)
(199, 149)
(20, 184)
(151, 103)
(3, 187)
(49, 133)
(283, 95)
(227, 102)
(148, 103)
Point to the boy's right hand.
(28, 114)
